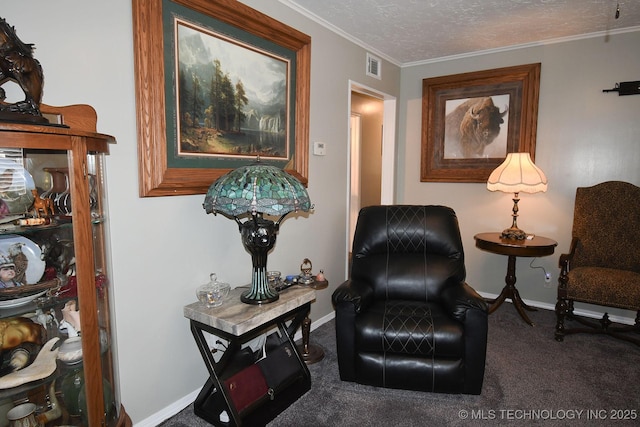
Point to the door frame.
(388, 179)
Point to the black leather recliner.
(406, 318)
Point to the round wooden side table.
(536, 246)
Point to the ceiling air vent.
(374, 68)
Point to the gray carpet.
(530, 379)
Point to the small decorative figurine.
(18, 65)
(41, 205)
(306, 278)
(71, 315)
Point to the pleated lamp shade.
(517, 174)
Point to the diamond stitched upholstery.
(411, 328)
(406, 318)
(407, 328)
(402, 237)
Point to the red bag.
(246, 387)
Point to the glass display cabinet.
(57, 343)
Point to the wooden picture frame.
(159, 173)
(462, 137)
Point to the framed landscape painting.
(236, 105)
(218, 86)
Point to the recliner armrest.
(353, 292)
(460, 298)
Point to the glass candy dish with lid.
(212, 294)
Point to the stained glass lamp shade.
(251, 192)
(517, 174)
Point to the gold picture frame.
(464, 114)
(157, 175)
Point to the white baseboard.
(169, 411)
(182, 403)
(580, 312)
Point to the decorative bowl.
(212, 294)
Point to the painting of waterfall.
(232, 98)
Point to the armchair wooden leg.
(562, 307)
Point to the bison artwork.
(471, 127)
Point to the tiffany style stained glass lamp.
(249, 193)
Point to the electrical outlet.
(547, 278)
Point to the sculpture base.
(16, 117)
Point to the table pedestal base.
(313, 354)
(532, 246)
(510, 291)
(310, 353)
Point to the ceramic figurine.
(71, 316)
(305, 268)
(41, 205)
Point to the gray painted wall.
(584, 137)
(163, 248)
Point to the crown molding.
(606, 33)
(315, 18)
(328, 25)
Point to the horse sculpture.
(18, 65)
(41, 205)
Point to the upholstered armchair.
(603, 263)
(406, 318)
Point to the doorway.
(371, 177)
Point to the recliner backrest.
(406, 251)
(607, 223)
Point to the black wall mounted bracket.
(626, 88)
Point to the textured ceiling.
(409, 31)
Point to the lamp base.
(250, 297)
(513, 234)
(258, 237)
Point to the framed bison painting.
(471, 121)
